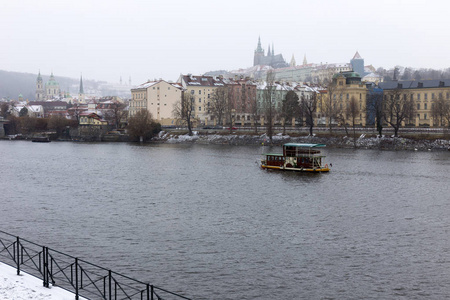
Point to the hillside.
(14, 83)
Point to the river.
(205, 221)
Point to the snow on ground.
(25, 286)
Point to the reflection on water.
(206, 221)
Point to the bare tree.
(75, 111)
(219, 104)
(374, 109)
(142, 126)
(440, 110)
(116, 114)
(352, 112)
(333, 109)
(254, 111)
(183, 111)
(309, 108)
(398, 107)
(230, 110)
(269, 103)
(4, 110)
(289, 108)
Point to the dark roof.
(203, 81)
(414, 84)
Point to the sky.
(142, 39)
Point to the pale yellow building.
(201, 88)
(345, 87)
(426, 94)
(159, 98)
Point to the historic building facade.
(48, 91)
(337, 100)
(426, 94)
(159, 98)
(201, 89)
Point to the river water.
(206, 222)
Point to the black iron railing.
(82, 278)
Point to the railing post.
(148, 291)
(76, 279)
(45, 266)
(151, 292)
(110, 275)
(18, 256)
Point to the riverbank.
(362, 142)
(25, 286)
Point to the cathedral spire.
(293, 63)
(81, 85)
(259, 48)
(305, 62)
(268, 51)
(273, 50)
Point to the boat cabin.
(296, 157)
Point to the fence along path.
(75, 275)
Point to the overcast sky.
(106, 40)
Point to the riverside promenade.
(25, 286)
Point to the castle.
(275, 61)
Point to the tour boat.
(296, 157)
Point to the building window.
(347, 96)
(199, 108)
(432, 96)
(418, 106)
(199, 92)
(424, 116)
(425, 106)
(192, 92)
(418, 96)
(425, 96)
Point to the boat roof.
(304, 145)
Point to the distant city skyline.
(109, 40)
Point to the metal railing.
(75, 275)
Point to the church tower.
(39, 88)
(52, 90)
(357, 63)
(259, 54)
(292, 63)
(81, 92)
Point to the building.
(48, 91)
(345, 88)
(426, 94)
(323, 73)
(279, 91)
(159, 98)
(357, 63)
(201, 89)
(242, 93)
(275, 61)
(294, 73)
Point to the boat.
(41, 139)
(296, 157)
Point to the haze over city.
(107, 40)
